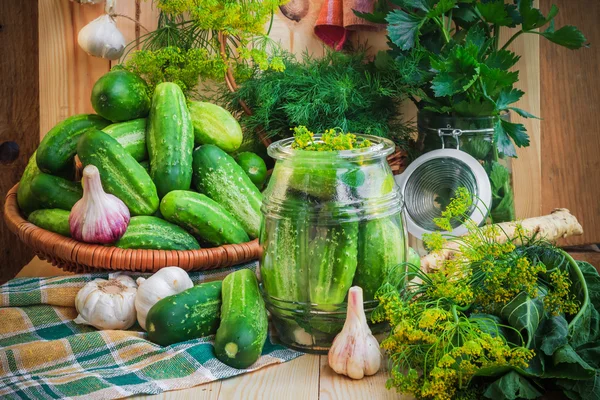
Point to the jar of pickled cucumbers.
(332, 220)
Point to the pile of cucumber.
(171, 161)
(232, 310)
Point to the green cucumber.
(217, 175)
(191, 314)
(283, 261)
(381, 246)
(121, 175)
(243, 329)
(132, 136)
(120, 95)
(215, 125)
(145, 165)
(53, 220)
(145, 232)
(254, 166)
(333, 254)
(170, 139)
(57, 149)
(25, 197)
(56, 192)
(202, 217)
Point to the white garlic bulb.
(101, 38)
(355, 351)
(107, 304)
(165, 282)
(97, 217)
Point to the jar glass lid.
(430, 182)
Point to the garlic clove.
(98, 217)
(355, 351)
(101, 38)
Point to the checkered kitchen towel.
(45, 355)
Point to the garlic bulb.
(101, 37)
(355, 351)
(166, 282)
(98, 217)
(107, 304)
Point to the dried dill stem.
(560, 223)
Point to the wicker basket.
(79, 257)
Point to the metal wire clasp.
(455, 133)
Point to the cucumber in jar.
(380, 247)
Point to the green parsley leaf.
(494, 12)
(424, 5)
(475, 108)
(517, 133)
(503, 59)
(496, 79)
(507, 97)
(523, 113)
(377, 17)
(403, 28)
(441, 8)
(567, 36)
(533, 17)
(503, 142)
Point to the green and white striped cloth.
(45, 355)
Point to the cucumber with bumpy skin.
(53, 220)
(203, 217)
(25, 197)
(56, 192)
(243, 329)
(333, 252)
(170, 138)
(58, 147)
(191, 314)
(121, 175)
(120, 95)
(146, 232)
(217, 175)
(380, 247)
(132, 136)
(215, 125)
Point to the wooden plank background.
(19, 113)
(570, 102)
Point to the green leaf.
(475, 108)
(377, 17)
(424, 5)
(464, 15)
(494, 12)
(552, 334)
(511, 386)
(507, 97)
(442, 7)
(494, 80)
(457, 73)
(476, 35)
(567, 364)
(582, 389)
(523, 113)
(477, 147)
(488, 323)
(505, 209)
(499, 175)
(568, 36)
(533, 17)
(517, 133)
(524, 314)
(502, 59)
(503, 142)
(403, 28)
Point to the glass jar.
(332, 220)
(475, 136)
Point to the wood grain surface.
(67, 73)
(570, 102)
(19, 112)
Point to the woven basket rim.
(72, 255)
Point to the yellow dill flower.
(434, 241)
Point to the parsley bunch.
(449, 55)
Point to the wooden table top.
(305, 378)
